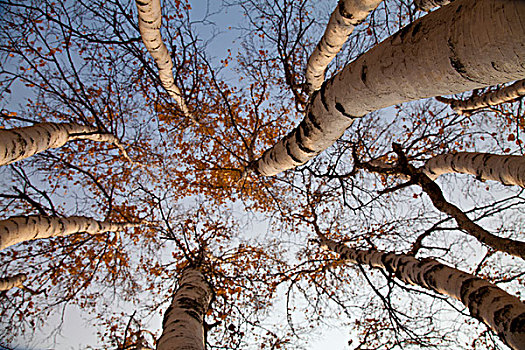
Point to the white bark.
(150, 20)
(7, 283)
(348, 14)
(492, 98)
(26, 228)
(427, 5)
(183, 325)
(462, 46)
(509, 170)
(20, 143)
(502, 312)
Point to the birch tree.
(491, 305)
(118, 86)
(346, 16)
(410, 65)
(416, 176)
(488, 99)
(507, 169)
(20, 229)
(183, 325)
(10, 282)
(20, 143)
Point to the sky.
(75, 334)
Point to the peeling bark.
(347, 15)
(502, 312)
(20, 143)
(183, 325)
(150, 20)
(466, 45)
(26, 228)
(509, 170)
(427, 5)
(491, 98)
(7, 283)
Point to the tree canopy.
(274, 169)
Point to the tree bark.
(491, 98)
(150, 21)
(502, 312)
(463, 46)
(427, 5)
(509, 170)
(7, 283)
(347, 15)
(26, 228)
(183, 325)
(20, 143)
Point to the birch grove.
(25, 228)
(183, 324)
(502, 312)
(221, 241)
(20, 143)
(410, 65)
(507, 169)
(347, 15)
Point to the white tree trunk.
(348, 14)
(509, 170)
(183, 325)
(491, 98)
(20, 143)
(7, 283)
(502, 312)
(150, 20)
(427, 5)
(26, 228)
(462, 46)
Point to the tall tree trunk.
(418, 176)
(20, 143)
(183, 325)
(348, 14)
(427, 5)
(26, 228)
(150, 21)
(7, 283)
(491, 98)
(463, 46)
(502, 312)
(509, 170)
